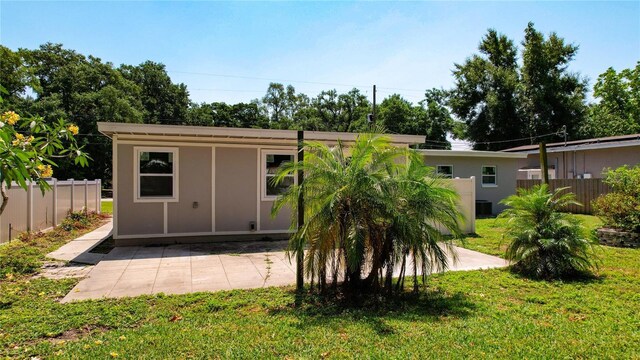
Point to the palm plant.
(367, 207)
(545, 242)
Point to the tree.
(83, 90)
(28, 148)
(164, 102)
(434, 120)
(485, 94)
(366, 212)
(551, 96)
(545, 242)
(617, 111)
(396, 114)
(280, 104)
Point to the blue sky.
(408, 46)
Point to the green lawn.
(107, 207)
(475, 314)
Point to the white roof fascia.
(593, 146)
(109, 129)
(473, 153)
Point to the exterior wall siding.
(465, 167)
(134, 218)
(592, 161)
(236, 188)
(194, 187)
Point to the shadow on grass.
(582, 277)
(431, 305)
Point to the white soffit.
(473, 153)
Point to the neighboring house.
(495, 173)
(189, 184)
(581, 158)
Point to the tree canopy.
(503, 96)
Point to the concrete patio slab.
(179, 269)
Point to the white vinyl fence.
(466, 188)
(31, 211)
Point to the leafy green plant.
(28, 147)
(545, 242)
(620, 209)
(366, 211)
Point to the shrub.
(545, 242)
(620, 209)
(77, 220)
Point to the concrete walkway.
(178, 269)
(78, 250)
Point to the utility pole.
(300, 250)
(543, 163)
(374, 104)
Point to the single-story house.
(191, 184)
(495, 173)
(581, 158)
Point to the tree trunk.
(5, 198)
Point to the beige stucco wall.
(237, 198)
(134, 218)
(236, 188)
(465, 167)
(586, 161)
(194, 186)
(281, 222)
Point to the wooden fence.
(586, 191)
(32, 211)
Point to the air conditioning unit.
(586, 176)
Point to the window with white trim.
(156, 170)
(489, 175)
(271, 163)
(446, 171)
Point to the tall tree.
(617, 111)
(396, 114)
(485, 93)
(84, 91)
(434, 120)
(164, 102)
(551, 96)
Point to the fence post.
(55, 201)
(99, 196)
(86, 195)
(473, 204)
(72, 191)
(30, 206)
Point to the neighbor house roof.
(585, 144)
(472, 153)
(208, 133)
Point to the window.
(156, 170)
(446, 171)
(271, 164)
(489, 177)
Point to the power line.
(287, 81)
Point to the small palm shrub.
(368, 208)
(545, 242)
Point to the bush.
(77, 220)
(545, 242)
(620, 209)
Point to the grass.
(107, 207)
(489, 240)
(25, 254)
(474, 314)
